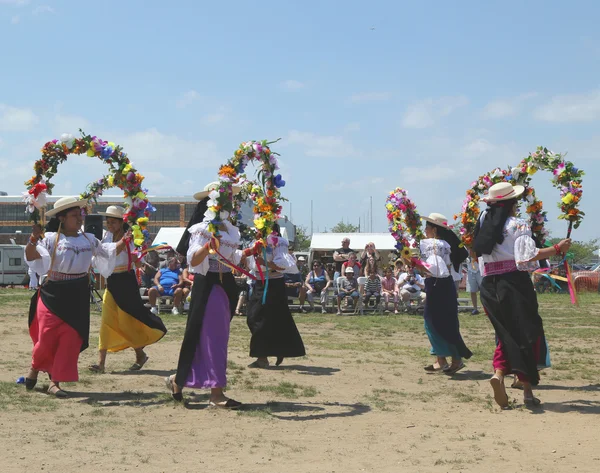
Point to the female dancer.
(203, 355)
(274, 332)
(59, 314)
(508, 251)
(442, 249)
(126, 322)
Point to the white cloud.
(427, 112)
(15, 19)
(70, 124)
(18, 3)
(16, 119)
(365, 182)
(506, 107)
(370, 97)
(292, 84)
(434, 173)
(570, 108)
(320, 146)
(43, 9)
(188, 98)
(352, 127)
(216, 117)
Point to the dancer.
(508, 251)
(442, 249)
(203, 355)
(126, 322)
(274, 332)
(59, 314)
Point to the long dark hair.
(489, 229)
(197, 217)
(54, 223)
(457, 253)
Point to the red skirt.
(56, 345)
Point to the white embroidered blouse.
(229, 244)
(517, 246)
(437, 255)
(277, 253)
(74, 255)
(122, 261)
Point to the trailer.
(13, 268)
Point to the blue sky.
(366, 96)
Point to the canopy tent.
(358, 241)
(169, 236)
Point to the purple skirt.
(210, 359)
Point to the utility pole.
(311, 217)
(371, 214)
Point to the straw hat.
(65, 203)
(113, 211)
(208, 188)
(503, 191)
(349, 270)
(437, 219)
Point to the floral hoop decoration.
(265, 192)
(404, 222)
(122, 175)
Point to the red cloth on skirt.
(56, 345)
(501, 361)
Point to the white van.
(13, 269)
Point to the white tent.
(358, 241)
(169, 236)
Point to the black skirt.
(441, 313)
(70, 302)
(200, 292)
(274, 332)
(125, 291)
(512, 307)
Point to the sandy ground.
(359, 402)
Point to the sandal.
(531, 401)
(516, 384)
(171, 387)
(96, 369)
(57, 392)
(452, 370)
(500, 395)
(229, 404)
(259, 364)
(431, 368)
(138, 366)
(30, 383)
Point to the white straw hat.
(503, 191)
(208, 188)
(349, 270)
(437, 219)
(65, 203)
(113, 211)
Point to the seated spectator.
(301, 263)
(316, 284)
(148, 269)
(398, 268)
(170, 253)
(168, 282)
(351, 263)
(372, 285)
(348, 287)
(242, 283)
(370, 255)
(388, 288)
(410, 286)
(341, 255)
(294, 287)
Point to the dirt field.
(359, 402)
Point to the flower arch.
(566, 177)
(264, 193)
(122, 175)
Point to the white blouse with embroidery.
(277, 253)
(74, 255)
(229, 244)
(437, 256)
(517, 246)
(122, 261)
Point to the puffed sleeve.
(436, 254)
(105, 256)
(198, 238)
(525, 250)
(283, 259)
(44, 247)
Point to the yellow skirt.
(119, 330)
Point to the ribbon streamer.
(266, 280)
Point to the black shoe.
(170, 386)
(279, 360)
(30, 383)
